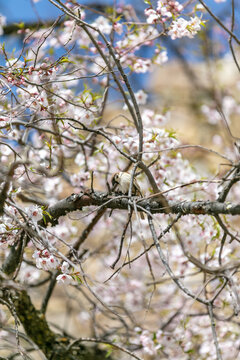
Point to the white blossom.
(64, 279)
(141, 97)
(2, 23)
(161, 58)
(34, 212)
(102, 24)
(182, 27)
(65, 267)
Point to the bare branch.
(213, 326)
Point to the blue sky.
(23, 10)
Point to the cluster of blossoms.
(184, 332)
(45, 260)
(161, 57)
(130, 291)
(181, 28)
(135, 40)
(165, 10)
(229, 106)
(102, 24)
(150, 346)
(78, 180)
(127, 47)
(7, 233)
(68, 36)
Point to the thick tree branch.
(36, 327)
(79, 201)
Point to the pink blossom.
(141, 66)
(161, 57)
(34, 212)
(45, 253)
(52, 262)
(28, 274)
(36, 254)
(147, 343)
(78, 180)
(141, 97)
(64, 279)
(65, 267)
(118, 28)
(152, 16)
(211, 114)
(41, 263)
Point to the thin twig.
(167, 267)
(214, 333)
(102, 341)
(219, 22)
(121, 241)
(230, 37)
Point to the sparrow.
(123, 180)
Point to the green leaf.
(108, 353)
(189, 351)
(20, 25)
(47, 213)
(82, 136)
(171, 134)
(44, 219)
(117, 19)
(65, 60)
(49, 143)
(79, 280)
(27, 60)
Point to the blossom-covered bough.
(163, 287)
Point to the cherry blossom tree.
(165, 287)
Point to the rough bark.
(54, 346)
(79, 201)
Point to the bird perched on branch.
(122, 180)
